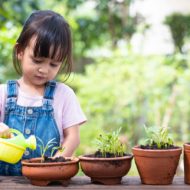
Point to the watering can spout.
(31, 142)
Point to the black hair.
(53, 38)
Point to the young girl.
(35, 104)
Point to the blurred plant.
(179, 25)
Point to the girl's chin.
(37, 83)
(40, 80)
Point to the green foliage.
(110, 143)
(50, 144)
(129, 91)
(158, 136)
(8, 37)
(17, 10)
(180, 28)
(111, 21)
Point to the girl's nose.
(40, 70)
(43, 70)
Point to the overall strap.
(12, 92)
(48, 94)
(49, 90)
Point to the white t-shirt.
(67, 110)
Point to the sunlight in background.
(157, 39)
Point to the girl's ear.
(18, 51)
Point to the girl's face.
(36, 71)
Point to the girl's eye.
(37, 61)
(54, 65)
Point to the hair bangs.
(52, 44)
(45, 48)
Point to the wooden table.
(83, 183)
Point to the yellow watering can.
(12, 149)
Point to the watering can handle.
(14, 131)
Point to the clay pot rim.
(156, 150)
(86, 157)
(186, 144)
(33, 164)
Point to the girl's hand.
(4, 131)
(59, 153)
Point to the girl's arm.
(71, 141)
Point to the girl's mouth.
(40, 77)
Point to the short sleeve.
(72, 112)
(67, 109)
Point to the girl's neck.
(29, 88)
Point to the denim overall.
(38, 121)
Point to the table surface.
(82, 183)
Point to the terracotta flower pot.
(156, 167)
(107, 171)
(42, 174)
(186, 163)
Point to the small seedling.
(110, 143)
(44, 148)
(158, 136)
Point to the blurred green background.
(116, 86)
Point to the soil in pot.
(99, 154)
(154, 146)
(43, 173)
(57, 159)
(107, 171)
